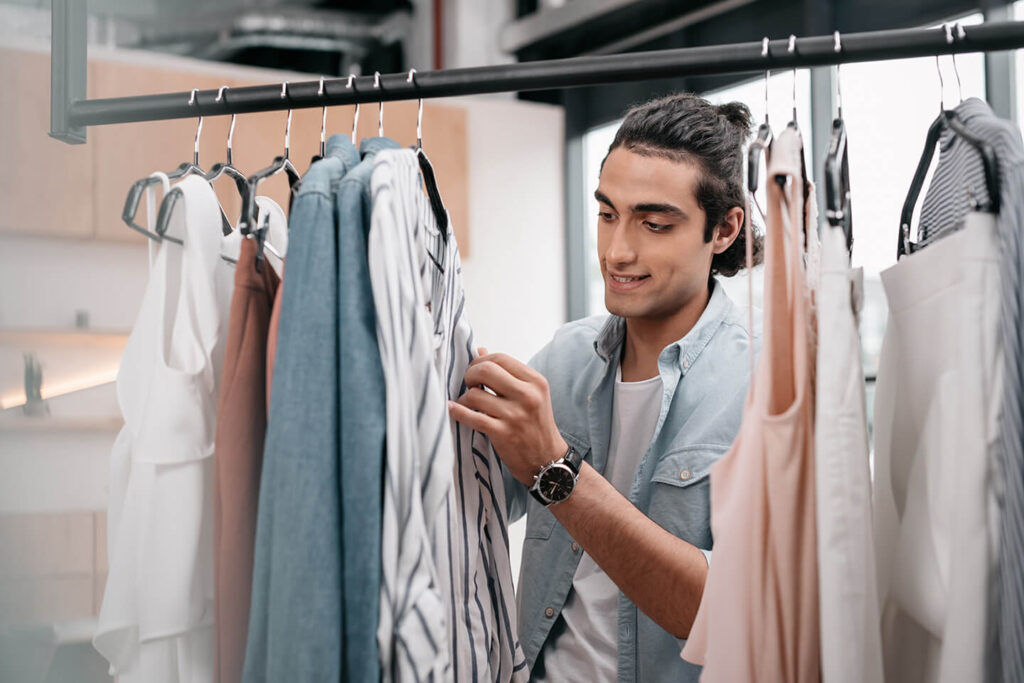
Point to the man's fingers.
(512, 366)
(472, 419)
(479, 400)
(495, 377)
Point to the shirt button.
(549, 612)
(686, 364)
(575, 547)
(684, 475)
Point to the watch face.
(557, 483)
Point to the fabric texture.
(851, 648)
(362, 421)
(957, 183)
(447, 602)
(238, 455)
(936, 408)
(155, 623)
(705, 376)
(295, 621)
(758, 619)
(586, 649)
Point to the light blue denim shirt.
(705, 376)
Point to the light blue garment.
(295, 621)
(361, 384)
(705, 376)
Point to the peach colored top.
(758, 620)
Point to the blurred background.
(517, 172)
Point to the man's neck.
(647, 337)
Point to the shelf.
(15, 423)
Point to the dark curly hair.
(686, 127)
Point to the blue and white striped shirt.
(447, 603)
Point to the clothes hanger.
(380, 106)
(803, 163)
(761, 143)
(131, 204)
(837, 169)
(355, 119)
(172, 197)
(947, 119)
(279, 164)
(228, 168)
(323, 126)
(427, 170)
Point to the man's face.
(650, 235)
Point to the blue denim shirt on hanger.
(295, 620)
(705, 376)
(363, 422)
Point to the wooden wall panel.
(45, 185)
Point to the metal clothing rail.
(72, 113)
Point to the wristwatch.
(556, 481)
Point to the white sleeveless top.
(155, 621)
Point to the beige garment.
(936, 425)
(758, 620)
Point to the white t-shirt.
(586, 651)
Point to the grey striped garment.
(959, 179)
(453, 551)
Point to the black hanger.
(837, 170)
(947, 120)
(837, 183)
(427, 170)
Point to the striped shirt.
(447, 601)
(959, 180)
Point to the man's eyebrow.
(669, 209)
(603, 198)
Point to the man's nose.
(620, 248)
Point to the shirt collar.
(373, 145)
(340, 145)
(683, 351)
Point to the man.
(608, 435)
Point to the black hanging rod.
(559, 73)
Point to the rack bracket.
(68, 60)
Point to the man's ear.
(727, 231)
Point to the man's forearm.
(663, 575)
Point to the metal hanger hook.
(199, 128)
(419, 114)
(355, 119)
(323, 120)
(960, 34)
(231, 128)
(839, 81)
(380, 105)
(764, 53)
(792, 50)
(288, 124)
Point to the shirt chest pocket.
(681, 494)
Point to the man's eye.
(657, 227)
(605, 216)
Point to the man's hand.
(517, 416)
